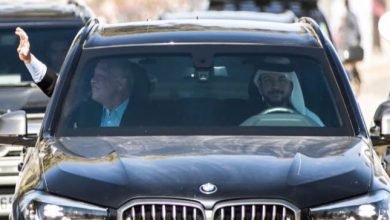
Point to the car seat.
(141, 85)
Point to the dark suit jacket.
(48, 82)
(89, 114)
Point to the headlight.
(38, 205)
(373, 206)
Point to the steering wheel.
(280, 116)
(278, 110)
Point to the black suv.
(201, 140)
(51, 28)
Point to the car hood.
(110, 171)
(30, 99)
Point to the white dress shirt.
(37, 69)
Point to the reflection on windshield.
(173, 91)
(49, 45)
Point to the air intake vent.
(163, 210)
(254, 212)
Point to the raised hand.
(24, 46)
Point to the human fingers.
(24, 54)
(22, 34)
(23, 38)
(18, 32)
(23, 50)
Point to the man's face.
(276, 88)
(103, 84)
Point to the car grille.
(254, 212)
(163, 210)
(185, 210)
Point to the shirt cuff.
(37, 69)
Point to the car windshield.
(48, 44)
(204, 92)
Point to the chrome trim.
(164, 212)
(242, 212)
(133, 213)
(143, 212)
(194, 212)
(185, 213)
(208, 188)
(153, 212)
(263, 214)
(253, 202)
(273, 212)
(162, 202)
(253, 212)
(174, 212)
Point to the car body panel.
(241, 167)
(109, 169)
(202, 31)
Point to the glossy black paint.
(288, 168)
(305, 171)
(201, 31)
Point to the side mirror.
(353, 54)
(380, 132)
(13, 129)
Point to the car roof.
(40, 13)
(285, 17)
(202, 31)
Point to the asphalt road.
(375, 73)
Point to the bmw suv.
(51, 28)
(221, 119)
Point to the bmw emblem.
(208, 188)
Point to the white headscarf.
(296, 99)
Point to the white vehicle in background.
(45, 22)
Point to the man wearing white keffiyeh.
(280, 90)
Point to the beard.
(277, 98)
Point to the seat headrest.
(141, 85)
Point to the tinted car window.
(50, 45)
(216, 89)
